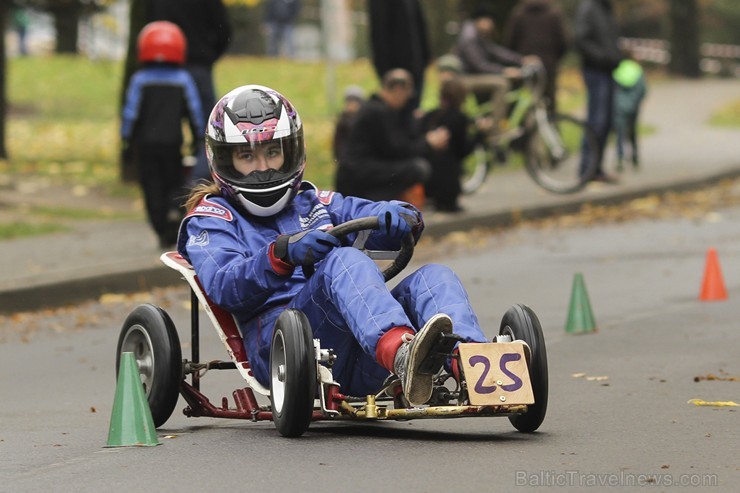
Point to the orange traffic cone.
(713, 286)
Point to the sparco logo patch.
(208, 208)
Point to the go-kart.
(506, 377)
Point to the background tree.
(67, 15)
(137, 20)
(440, 16)
(3, 70)
(720, 22)
(684, 38)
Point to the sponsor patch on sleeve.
(325, 196)
(211, 209)
(200, 240)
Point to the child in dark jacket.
(444, 185)
(353, 99)
(160, 95)
(630, 91)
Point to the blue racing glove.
(396, 220)
(304, 248)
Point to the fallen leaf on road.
(590, 378)
(114, 298)
(699, 378)
(699, 402)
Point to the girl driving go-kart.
(255, 236)
(287, 276)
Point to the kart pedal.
(439, 352)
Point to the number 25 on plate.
(496, 374)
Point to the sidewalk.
(109, 256)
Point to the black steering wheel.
(363, 227)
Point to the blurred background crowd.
(313, 50)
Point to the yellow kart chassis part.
(372, 411)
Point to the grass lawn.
(727, 116)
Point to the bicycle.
(552, 145)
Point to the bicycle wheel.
(560, 154)
(475, 170)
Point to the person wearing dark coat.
(384, 153)
(398, 39)
(596, 38)
(207, 30)
(536, 27)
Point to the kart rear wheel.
(521, 323)
(292, 373)
(150, 335)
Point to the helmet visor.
(258, 164)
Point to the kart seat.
(223, 321)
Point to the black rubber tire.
(292, 373)
(561, 174)
(521, 323)
(149, 333)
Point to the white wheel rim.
(137, 341)
(277, 373)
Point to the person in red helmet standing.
(159, 96)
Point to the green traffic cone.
(131, 422)
(580, 316)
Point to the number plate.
(496, 373)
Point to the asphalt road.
(632, 430)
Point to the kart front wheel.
(520, 323)
(292, 373)
(150, 335)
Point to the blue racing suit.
(346, 300)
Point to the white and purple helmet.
(256, 115)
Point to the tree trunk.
(684, 22)
(4, 67)
(438, 14)
(138, 16)
(66, 23)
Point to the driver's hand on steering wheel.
(305, 248)
(396, 220)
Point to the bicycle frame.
(538, 134)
